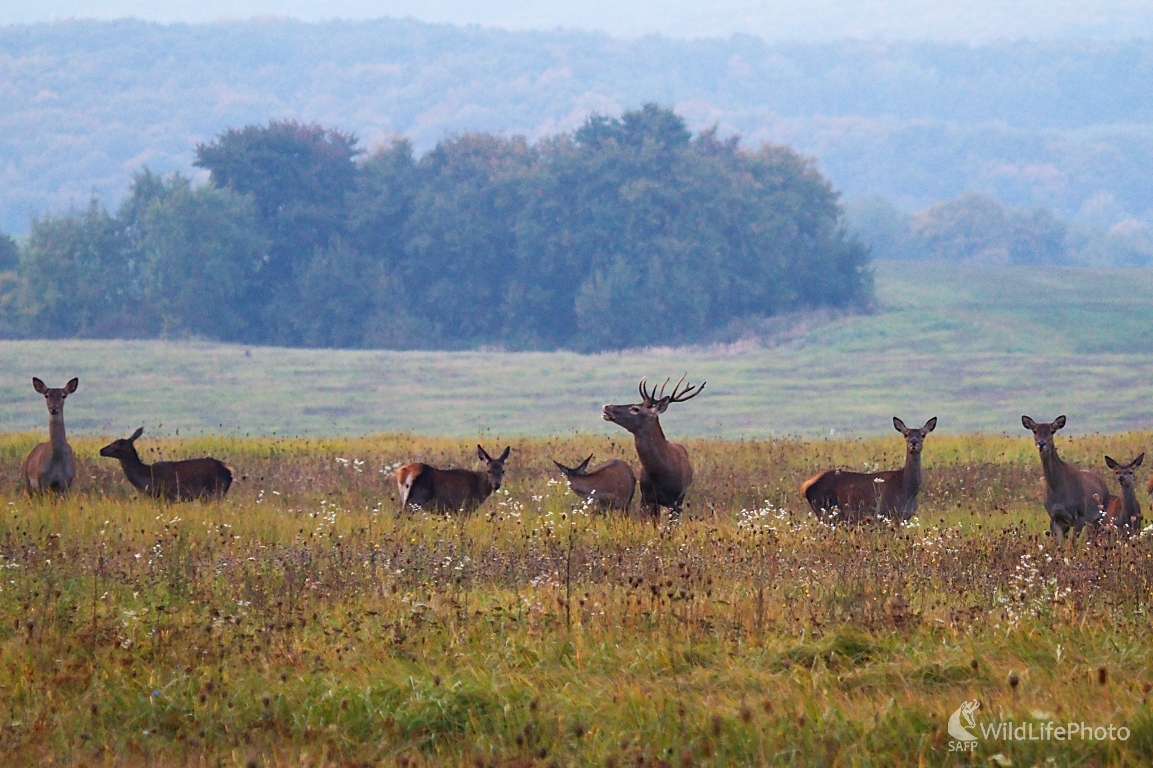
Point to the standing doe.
(50, 466)
(610, 486)
(1124, 513)
(1073, 497)
(891, 494)
(170, 480)
(666, 472)
(450, 490)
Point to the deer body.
(1124, 513)
(666, 472)
(891, 494)
(51, 466)
(449, 490)
(170, 480)
(610, 486)
(1073, 497)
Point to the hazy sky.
(959, 20)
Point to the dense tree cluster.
(627, 232)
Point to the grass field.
(302, 622)
(975, 346)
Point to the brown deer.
(50, 466)
(666, 472)
(857, 495)
(609, 486)
(1124, 513)
(170, 480)
(450, 490)
(1073, 497)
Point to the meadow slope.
(976, 346)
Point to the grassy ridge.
(302, 622)
(975, 346)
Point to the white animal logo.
(962, 720)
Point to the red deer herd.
(1074, 498)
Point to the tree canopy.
(629, 231)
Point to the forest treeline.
(975, 228)
(627, 232)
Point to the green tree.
(460, 238)
(300, 178)
(9, 254)
(201, 249)
(80, 277)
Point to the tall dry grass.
(303, 621)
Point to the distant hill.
(1065, 124)
(971, 21)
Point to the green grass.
(975, 346)
(302, 622)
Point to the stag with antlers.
(666, 472)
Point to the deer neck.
(652, 448)
(137, 472)
(56, 436)
(1053, 469)
(911, 474)
(1129, 502)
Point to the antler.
(688, 393)
(648, 398)
(678, 395)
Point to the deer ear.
(662, 405)
(481, 454)
(900, 426)
(39, 386)
(563, 469)
(1058, 422)
(503, 456)
(1110, 463)
(930, 425)
(71, 386)
(584, 464)
(1028, 423)
(139, 431)
(1140, 458)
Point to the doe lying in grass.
(610, 486)
(170, 480)
(856, 495)
(50, 466)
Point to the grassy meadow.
(302, 622)
(976, 346)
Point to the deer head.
(1043, 433)
(124, 448)
(577, 471)
(495, 466)
(637, 417)
(1125, 473)
(915, 438)
(55, 395)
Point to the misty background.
(988, 133)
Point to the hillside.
(1065, 124)
(975, 346)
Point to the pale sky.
(956, 20)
